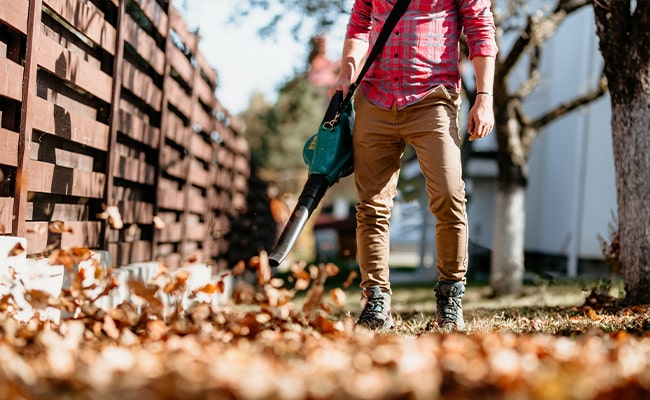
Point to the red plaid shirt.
(422, 52)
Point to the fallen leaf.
(110, 328)
(16, 250)
(350, 279)
(338, 297)
(263, 269)
(112, 215)
(158, 223)
(58, 227)
(239, 268)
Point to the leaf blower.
(328, 153)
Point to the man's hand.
(354, 51)
(342, 85)
(480, 120)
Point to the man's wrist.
(483, 92)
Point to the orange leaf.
(17, 249)
(62, 257)
(37, 298)
(221, 286)
(239, 268)
(157, 329)
(112, 215)
(351, 276)
(158, 223)
(81, 253)
(212, 288)
(337, 295)
(142, 290)
(331, 269)
(110, 328)
(182, 276)
(263, 269)
(58, 227)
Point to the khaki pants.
(380, 136)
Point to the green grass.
(553, 308)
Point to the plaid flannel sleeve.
(360, 20)
(478, 24)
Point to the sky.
(245, 62)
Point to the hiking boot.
(449, 308)
(376, 310)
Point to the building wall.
(571, 193)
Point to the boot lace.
(450, 307)
(376, 313)
(373, 310)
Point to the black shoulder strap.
(395, 14)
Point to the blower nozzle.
(311, 195)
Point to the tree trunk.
(622, 28)
(507, 261)
(631, 138)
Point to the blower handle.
(334, 109)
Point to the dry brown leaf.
(313, 300)
(112, 215)
(314, 271)
(276, 282)
(302, 284)
(110, 328)
(350, 279)
(182, 276)
(211, 288)
(37, 298)
(81, 253)
(303, 278)
(16, 250)
(221, 286)
(194, 258)
(263, 269)
(254, 262)
(325, 325)
(131, 230)
(6, 302)
(239, 268)
(40, 230)
(146, 292)
(331, 269)
(125, 313)
(158, 223)
(243, 293)
(58, 227)
(62, 257)
(157, 329)
(338, 297)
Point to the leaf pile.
(268, 345)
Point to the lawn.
(296, 339)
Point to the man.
(410, 95)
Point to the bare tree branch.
(571, 105)
(539, 29)
(520, 113)
(534, 76)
